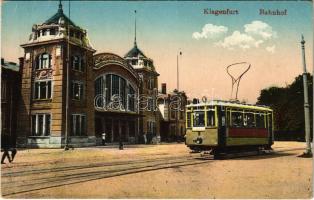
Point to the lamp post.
(308, 151)
(178, 110)
(180, 53)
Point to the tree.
(288, 105)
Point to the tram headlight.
(198, 140)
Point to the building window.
(150, 106)
(151, 83)
(41, 124)
(77, 63)
(134, 62)
(42, 90)
(78, 125)
(78, 35)
(52, 31)
(71, 33)
(131, 98)
(77, 90)
(113, 85)
(44, 32)
(43, 61)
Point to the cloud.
(271, 49)
(237, 39)
(209, 31)
(259, 28)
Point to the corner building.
(98, 95)
(45, 120)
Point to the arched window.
(43, 61)
(113, 85)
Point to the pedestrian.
(5, 147)
(12, 148)
(120, 143)
(103, 139)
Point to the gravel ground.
(156, 171)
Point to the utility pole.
(66, 147)
(178, 109)
(180, 53)
(308, 150)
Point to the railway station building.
(102, 89)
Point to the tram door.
(270, 127)
(222, 121)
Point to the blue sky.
(166, 27)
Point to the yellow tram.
(225, 126)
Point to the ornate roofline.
(105, 59)
(25, 45)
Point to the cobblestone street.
(156, 171)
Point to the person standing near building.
(5, 148)
(103, 138)
(7, 145)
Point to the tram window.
(237, 119)
(260, 120)
(210, 118)
(199, 119)
(228, 118)
(248, 120)
(188, 119)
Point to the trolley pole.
(308, 150)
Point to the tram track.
(38, 181)
(33, 178)
(51, 168)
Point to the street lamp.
(178, 110)
(180, 53)
(308, 151)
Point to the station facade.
(71, 96)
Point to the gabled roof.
(135, 52)
(55, 18)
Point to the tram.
(225, 126)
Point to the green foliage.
(288, 104)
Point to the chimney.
(164, 88)
(21, 64)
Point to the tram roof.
(230, 104)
